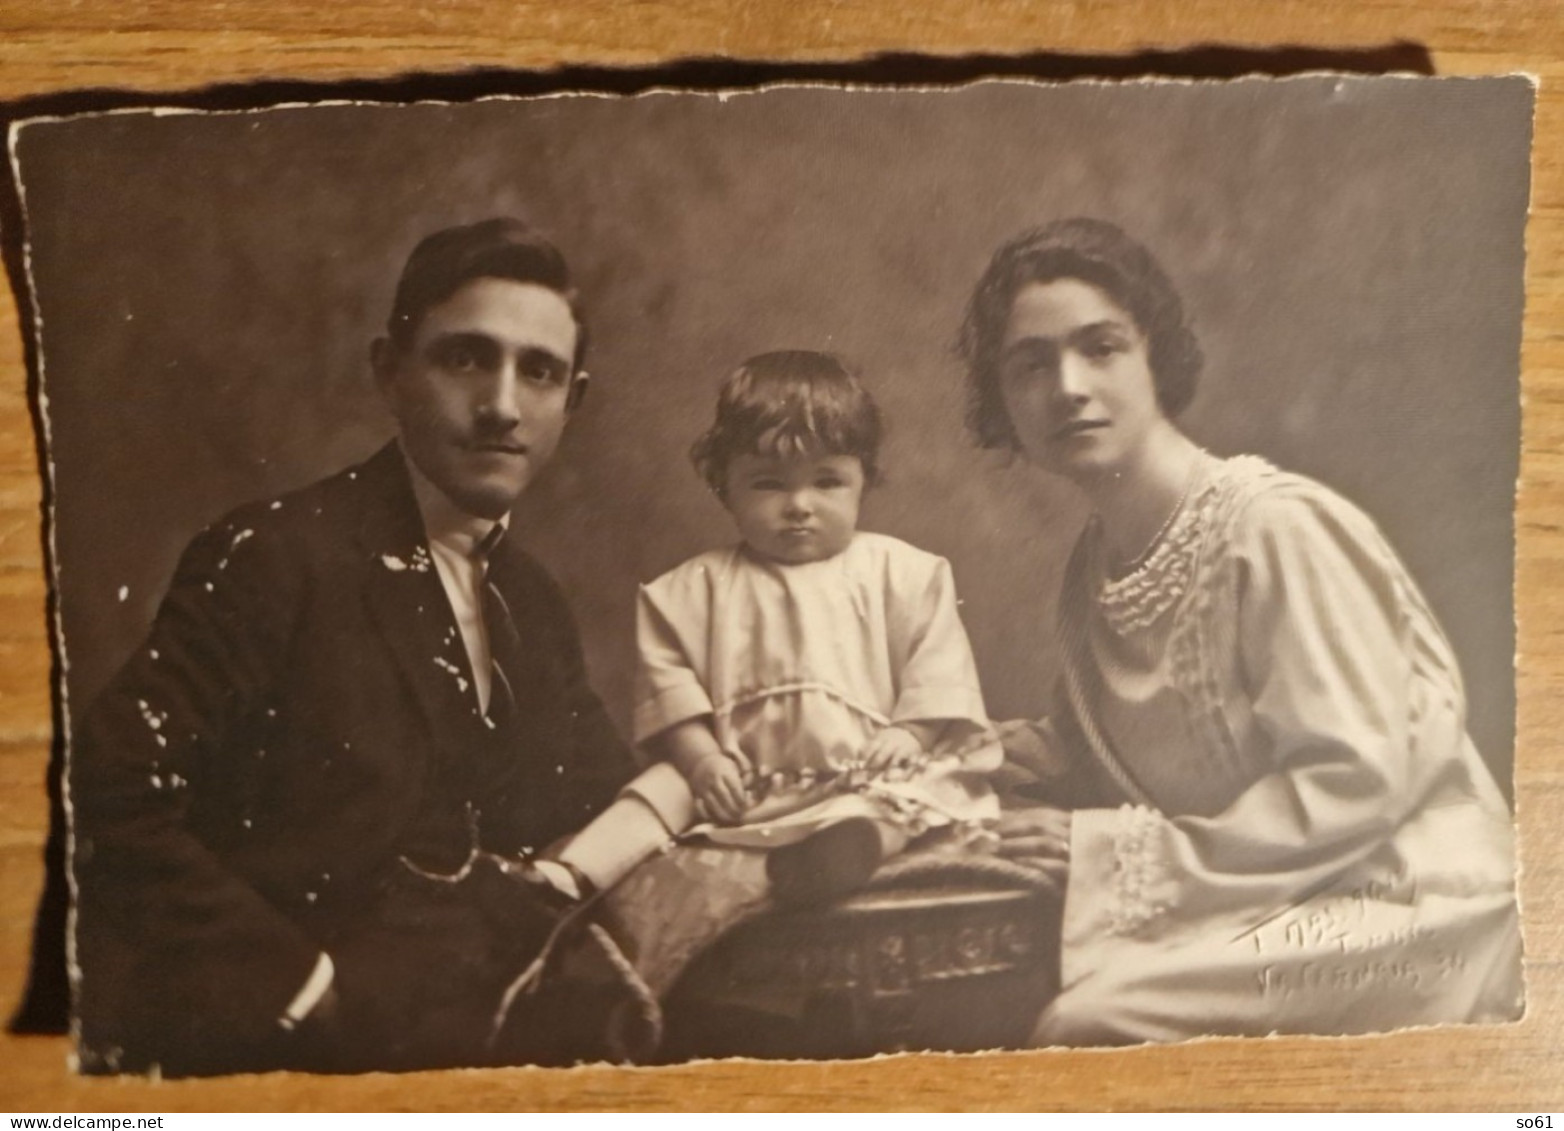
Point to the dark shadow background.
(1350, 249)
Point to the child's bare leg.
(833, 861)
(649, 812)
(893, 838)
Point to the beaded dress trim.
(1142, 880)
(1136, 601)
(1200, 637)
(1190, 570)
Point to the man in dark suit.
(309, 810)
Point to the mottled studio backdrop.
(1350, 250)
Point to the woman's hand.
(718, 786)
(1038, 838)
(1032, 746)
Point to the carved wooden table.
(956, 969)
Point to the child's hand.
(894, 748)
(718, 785)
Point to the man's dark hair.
(789, 403)
(498, 248)
(1095, 252)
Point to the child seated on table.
(812, 685)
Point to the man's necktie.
(504, 641)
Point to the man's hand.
(894, 748)
(314, 1009)
(323, 1018)
(718, 785)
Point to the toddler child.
(813, 685)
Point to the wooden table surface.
(167, 47)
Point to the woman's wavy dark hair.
(789, 403)
(1095, 252)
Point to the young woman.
(1266, 808)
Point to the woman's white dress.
(1308, 841)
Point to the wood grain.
(164, 46)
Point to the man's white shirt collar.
(444, 521)
(453, 535)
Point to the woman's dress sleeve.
(1334, 652)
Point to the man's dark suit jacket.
(244, 783)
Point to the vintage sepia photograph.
(803, 572)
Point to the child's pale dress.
(797, 667)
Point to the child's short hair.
(787, 403)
